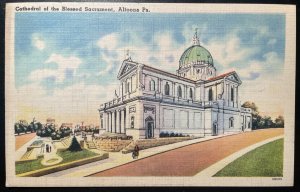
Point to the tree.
(268, 122)
(17, 128)
(279, 121)
(75, 146)
(39, 126)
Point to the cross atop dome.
(195, 38)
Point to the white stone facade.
(151, 101)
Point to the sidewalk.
(117, 158)
(20, 152)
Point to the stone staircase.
(112, 145)
(27, 155)
(91, 145)
(63, 143)
(67, 142)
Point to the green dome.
(195, 54)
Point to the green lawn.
(66, 155)
(69, 156)
(264, 161)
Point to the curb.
(63, 166)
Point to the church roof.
(220, 76)
(195, 54)
(233, 76)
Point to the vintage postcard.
(129, 94)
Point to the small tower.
(128, 57)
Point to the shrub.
(75, 146)
(172, 134)
(164, 134)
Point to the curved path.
(191, 159)
(23, 139)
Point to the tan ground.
(22, 139)
(189, 160)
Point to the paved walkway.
(23, 139)
(191, 159)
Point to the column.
(120, 121)
(111, 121)
(237, 96)
(117, 121)
(104, 121)
(107, 123)
(125, 120)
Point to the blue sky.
(57, 52)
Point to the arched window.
(210, 94)
(232, 94)
(179, 91)
(231, 122)
(132, 122)
(152, 85)
(191, 93)
(167, 89)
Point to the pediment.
(126, 67)
(234, 77)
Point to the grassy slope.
(66, 155)
(265, 161)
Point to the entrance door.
(149, 123)
(215, 131)
(150, 129)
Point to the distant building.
(23, 122)
(50, 121)
(65, 125)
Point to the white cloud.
(41, 74)
(270, 63)
(38, 42)
(75, 103)
(63, 64)
(229, 50)
(108, 42)
(272, 41)
(71, 62)
(165, 56)
(267, 90)
(109, 64)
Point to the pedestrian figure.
(135, 153)
(93, 135)
(50, 149)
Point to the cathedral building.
(194, 101)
